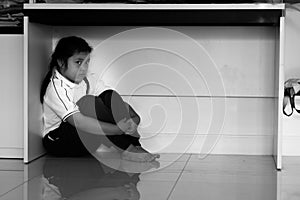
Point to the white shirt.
(61, 97)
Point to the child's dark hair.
(65, 48)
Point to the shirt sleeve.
(58, 99)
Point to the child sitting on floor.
(77, 124)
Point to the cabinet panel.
(37, 49)
(191, 61)
(11, 56)
(200, 116)
(279, 89)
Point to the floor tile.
(231, 158)
(11, 174)
(225, 191)
(158, 190)
(64, 178)
(159, 176)
(189, 177)
(10, 180)
(16, 194)
(34, 189)
(228, 178)
(175, 167)
(227, 164)
(34, 168)
(39, 189)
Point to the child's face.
(78, 65)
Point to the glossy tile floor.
(173, 177)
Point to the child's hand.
(133, 127)
(124, 125)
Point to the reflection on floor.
(173, 176)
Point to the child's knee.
(87, 99)
(106, 92)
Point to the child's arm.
(91, 125)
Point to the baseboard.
(11, 152)
(209, 144)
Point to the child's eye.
(79, 62)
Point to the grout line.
(179, 177)
(1, 195)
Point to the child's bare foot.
(138, 167)
(136, 154)
(156, 156)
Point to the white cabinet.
(209, 78)
(11, 56)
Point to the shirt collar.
(63, 79)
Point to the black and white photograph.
(150, 100)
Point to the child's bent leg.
(94, 107)
(98, 107)
(110, 107)
(116, 104)
(107, 107)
